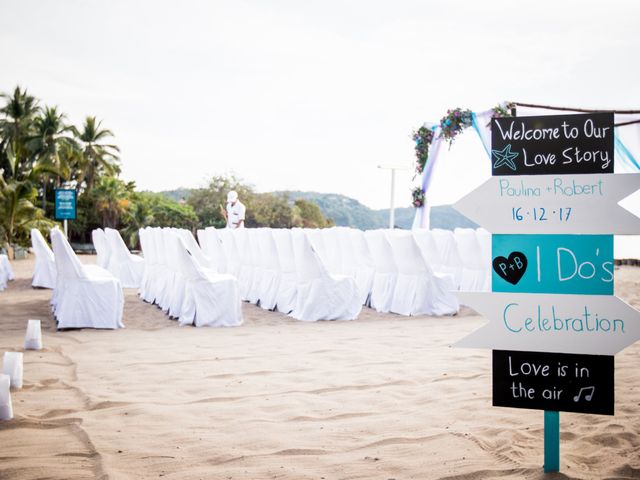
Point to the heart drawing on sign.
(511, 269)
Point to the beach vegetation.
(40, 151)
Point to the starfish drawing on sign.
(505, 157)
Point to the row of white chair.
(386, 267)
(278, 269)
(465, 254)
(178, 278)
(275, 269)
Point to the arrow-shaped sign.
(586, 204)
(589, 324)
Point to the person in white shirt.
(234, 214)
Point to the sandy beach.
(382, 397)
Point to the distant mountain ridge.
(349, 212)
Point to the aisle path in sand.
(378, 398)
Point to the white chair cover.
(176, 280)
(475, 276)
(101, 246)
(122, 264)
(358, 261)
(386, 270)
(448, 253)
(44, 272)
(230, 251)
(6, 273)
(316, 239)
(150, 272)
(246, 271)
(418, 291)
(7, 268)
(334, 257)
(87, 296)
(195, 250)
(210, 299)
(428, 249)
(321, 296)
(287, 288)
(163, 284)
(213, 249)
(484, 238)
(202, 241)
(270, 269)
(254, 263)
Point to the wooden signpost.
(554, 324)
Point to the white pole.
(392, 210)
(66, 229)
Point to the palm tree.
(98, 158)
(51, 135)
(16, 125)
(18, 214)
(112, 200)
(138, 216)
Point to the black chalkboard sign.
(554, 144)
(553, 381)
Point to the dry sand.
(382, 397)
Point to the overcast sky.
(311, 95)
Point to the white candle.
(12, 366)
(6, 410)
(33, 338)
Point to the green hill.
(348, 212)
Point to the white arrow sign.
(588, 324)
(585, 204)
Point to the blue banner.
(65, 204)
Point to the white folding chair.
(123, 264)
(386, 270)
(474, 273)
(210, 299)
(87, 296)
(448, 252)
(287, 288)
(101, 246)
(321, 296)
(269, 268)
(418, 290)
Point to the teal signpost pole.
(551, 441)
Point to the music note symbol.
(587, 397)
